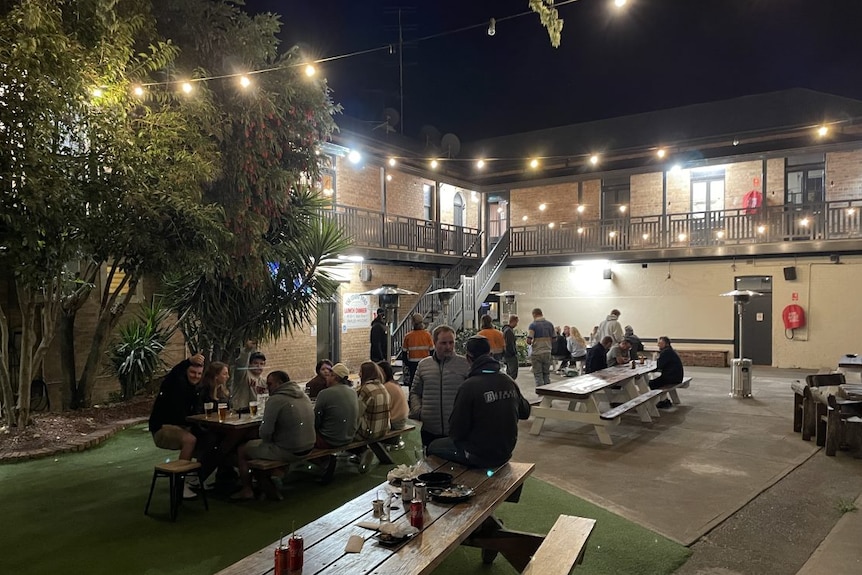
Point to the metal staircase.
(463, 305)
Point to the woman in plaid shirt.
(373, 402)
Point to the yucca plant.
(135, 356)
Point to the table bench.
(263, 468)
(563, 547)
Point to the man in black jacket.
(378, 337)
(483, 427)
(597, 358)
(670, 366)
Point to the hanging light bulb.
(187, 87)
(309, 70)
(492, 27)
(244, 81)
(138, 91)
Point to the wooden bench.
(671, 390)
(617, 411)
(263, 468)
(562, 548)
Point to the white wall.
(682, 300)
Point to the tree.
(550, 19)
(268, 135)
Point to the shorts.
(257, 449)
(170, 437)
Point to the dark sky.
(651, 55)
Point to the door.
(756, 321)
(707, 210)
(328, 331)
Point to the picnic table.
(851, 363)
(584, 393)
(225, 437)
(447, 526)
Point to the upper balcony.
(832, 227)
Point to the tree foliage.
(550, 19)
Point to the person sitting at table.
(321, 380)
(437, 381)
(336, 411)
(619, 354)
(494, 335)
(178, 398)
(248, 379)
(373, 409)
(577, 346)
(398, 408)
(213, 386)
(483, 427)
(560, 348)
(597, 358)
(635, 341)
(286, 432)
(670, 367)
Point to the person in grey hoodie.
(611, 326)
(286, 432)
(435, 385)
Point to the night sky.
(653, 54)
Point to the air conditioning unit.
(365, 274)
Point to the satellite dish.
(391, 117)
(430, 136)
(451, 145)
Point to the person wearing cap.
(436, 384)
(248, 378)
(635, 341)
(378, 337)
(483, 426)
(611, 326)
(286, 432)
(417, 346)
(336, 410)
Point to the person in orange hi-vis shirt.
(494, 335)
(416, 347)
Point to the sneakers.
(193, 481)
(664, 404)
(188, 493)
(365, 460)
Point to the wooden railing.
(372, 229)
(769, 224)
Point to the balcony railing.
(769, 224)
(372, 229)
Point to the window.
(707, 195)
(616, 196)
(458, 206)
(427, 201)
(804, 176)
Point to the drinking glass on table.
(208, 408)
(252, 408)
(222, 412)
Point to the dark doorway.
(328, 331)
(756, 321)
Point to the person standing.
(483, 427)
(540, 335)
(436, 384)
(494, 336)
(379, 347)
(286, 432)
(510, 350)
(635, 341)
(611, 326)
(597, 355)
(670, 367)
(336, 410)
(248, 379)
(417, 345)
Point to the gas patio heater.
(445, 295)
(387, 298)
(509, 299)
(740, 368)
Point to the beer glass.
(222, 412)
(252, 408)
(208, 408)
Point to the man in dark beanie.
(378, 338)
(483, 427)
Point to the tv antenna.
(451, 145)
(391, 117)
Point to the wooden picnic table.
(224, 438)
(850, 364)
(585, 392)
(446, 527)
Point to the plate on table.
(435, 479)
(451, 494)
(387, 540)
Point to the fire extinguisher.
(794, 318)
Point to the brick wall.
(678, 192)
(843, 175)
(646, 193)
(739, 180)
(358, 186)
(774, 182)
(404, 194)
(447, 205)
(561, 201)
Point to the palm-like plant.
(135, 356)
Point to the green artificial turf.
(83, 513)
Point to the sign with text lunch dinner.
(356, 311)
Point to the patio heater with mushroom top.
(740, 368)
(445, 295)
(387, 298)
(509, 299)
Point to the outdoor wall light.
(492, 27)
(622, 209)
(392, 162)
(803, 222)
(551, 225)
(612, 235)
(719, 234)
(850, 211)
(761, 229)
(354, 157)
(388, 177)
(645, 237)
(681, 237)
(581, 209)
(580, 230)
(524, 218)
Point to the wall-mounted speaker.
(608, 274)
(790, 273)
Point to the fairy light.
(534, 163)
(244, 81)
(543, 207)
(138, 91)
(98, 92)
(581, 208)
(619, 3)
(761, 229)
(186, 87)
(719, 234)
(392, 162)
(310, 70)
(822, 131)
(681, 237)
(524, 218)
(551, 225)
(622, 209)
(388, 177)
(661, 153)
(480, 164)
(594, 159)
(645, 237)
(580, 230)
(612, 235)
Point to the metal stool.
(176, 471)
